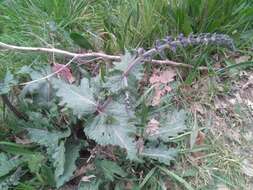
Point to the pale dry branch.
(91, 55)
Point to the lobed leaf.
(113, 128)
(7, 165)
(78, 98)
(173, 124)
(126, 60)
(71, 155)
(110, 168)
(47, 138)
(6, 85)
(161, 154)
(59, 160)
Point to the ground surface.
(217, 150)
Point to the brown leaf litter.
(161, 81)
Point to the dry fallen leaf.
(82, 170)
(161, 81)
(65, 72)
(200, 138)
(222, 187)
(242, 59)
(167, 76)
(152, 127)
(140, 145)
(157, 97)
(199, 141)
(23, 140)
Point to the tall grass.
(113, 25)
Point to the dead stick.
(91, 55)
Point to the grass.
(115, 25)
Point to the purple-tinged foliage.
(197, 39)
(181, 41)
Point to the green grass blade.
(177, 178)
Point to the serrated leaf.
(173, 124)
(126, 60)
(81, 40)
(110, 168)
(7, 165)
(47, 138)
(113, 128)
(12, 180)
(71, 155)
(8, 82)
(111, 134)
(114, 83)
(41, 90)
(78, 98)
(59, 160)
(161, 154)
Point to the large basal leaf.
(113, 128)
(173, 124)
(71, 155)
(78, 98)
(7, 165)
(8, 82)
(110, 168)
(91, 185)
(160, 153)
(6, 183)
(41, 91)
(114, 82)
(47, 138)
(126, 60)
(34, 162)
(59, 160)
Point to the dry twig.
(91, 55)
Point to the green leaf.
(160, 153)
(34, 162)
(33, 159)
(173, 124)
(8, 82)
(45, 137)
(113, 128)
(114, 82)
(126, 60)
(47, 175)
(93, 185)
(78, 98)
(110, 168)
(81, 40)
(12, 180)
(7, 165)
(59, 160)
(71, 155)
(41, 91)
